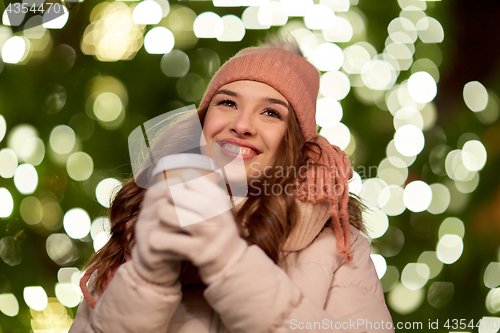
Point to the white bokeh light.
(15, 49)
(342, 31)
(337, 5)
(408, 116)
(376, 222)
(355, 183)
(62, 139)
(277, 11)
(8, 163)
(402, 27)
(80, 166)
(474, 155)
(18, 135)
(355, 58)
(338, 135)
(3, 127)
(33, 151)
(475, 96)
(49, 22)
(334, 84)
(417, 196)
(35, 297)
(328, 57)
(108, 106)
(159, 40)
(393, 171)
(449, 248)
(100, 225)
(296, 7)
(257, 18)
(430, 259)
(9, 305)
(208, 25)
(147, 12)
(422, 87)
(493, 303)
(405, 301)
(69, 275)
(106, 189)
(452, 226)
(440, 199)
(6, 202)
(26, 178)
(378, 74)
(492, 275)
(328, 112)
(409, 140)
(430, 30)
(233, 29)
(319, 17)
(454, 166)
(415, 276)
(68, 295)
(391, 200)
(76, 223)
(489, 324)
(370, 192)
(100, 232)
(380, 264)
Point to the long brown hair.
(266, 219)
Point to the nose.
(243, 124)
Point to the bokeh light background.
(408, 88)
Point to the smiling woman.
(279, 257)
(247, 118)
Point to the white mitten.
(153, 265)
(212, 244)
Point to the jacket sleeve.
(255, 295)
(129, 304)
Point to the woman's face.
(247, 120)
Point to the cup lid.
(182, 161)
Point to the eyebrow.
(267, 99)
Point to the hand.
(157, 267)
(212, 244)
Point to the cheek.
(213, 124)
(273, 138)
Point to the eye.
(227, 102)
(273, 113)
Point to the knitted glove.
(155, 266)
(212, 244)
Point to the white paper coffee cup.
(174, 165)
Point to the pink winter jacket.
(315, 290)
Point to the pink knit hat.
(298, 80)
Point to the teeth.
(237, 149)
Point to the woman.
(290, 257)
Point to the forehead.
(253, 89)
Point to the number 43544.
(461, 324)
